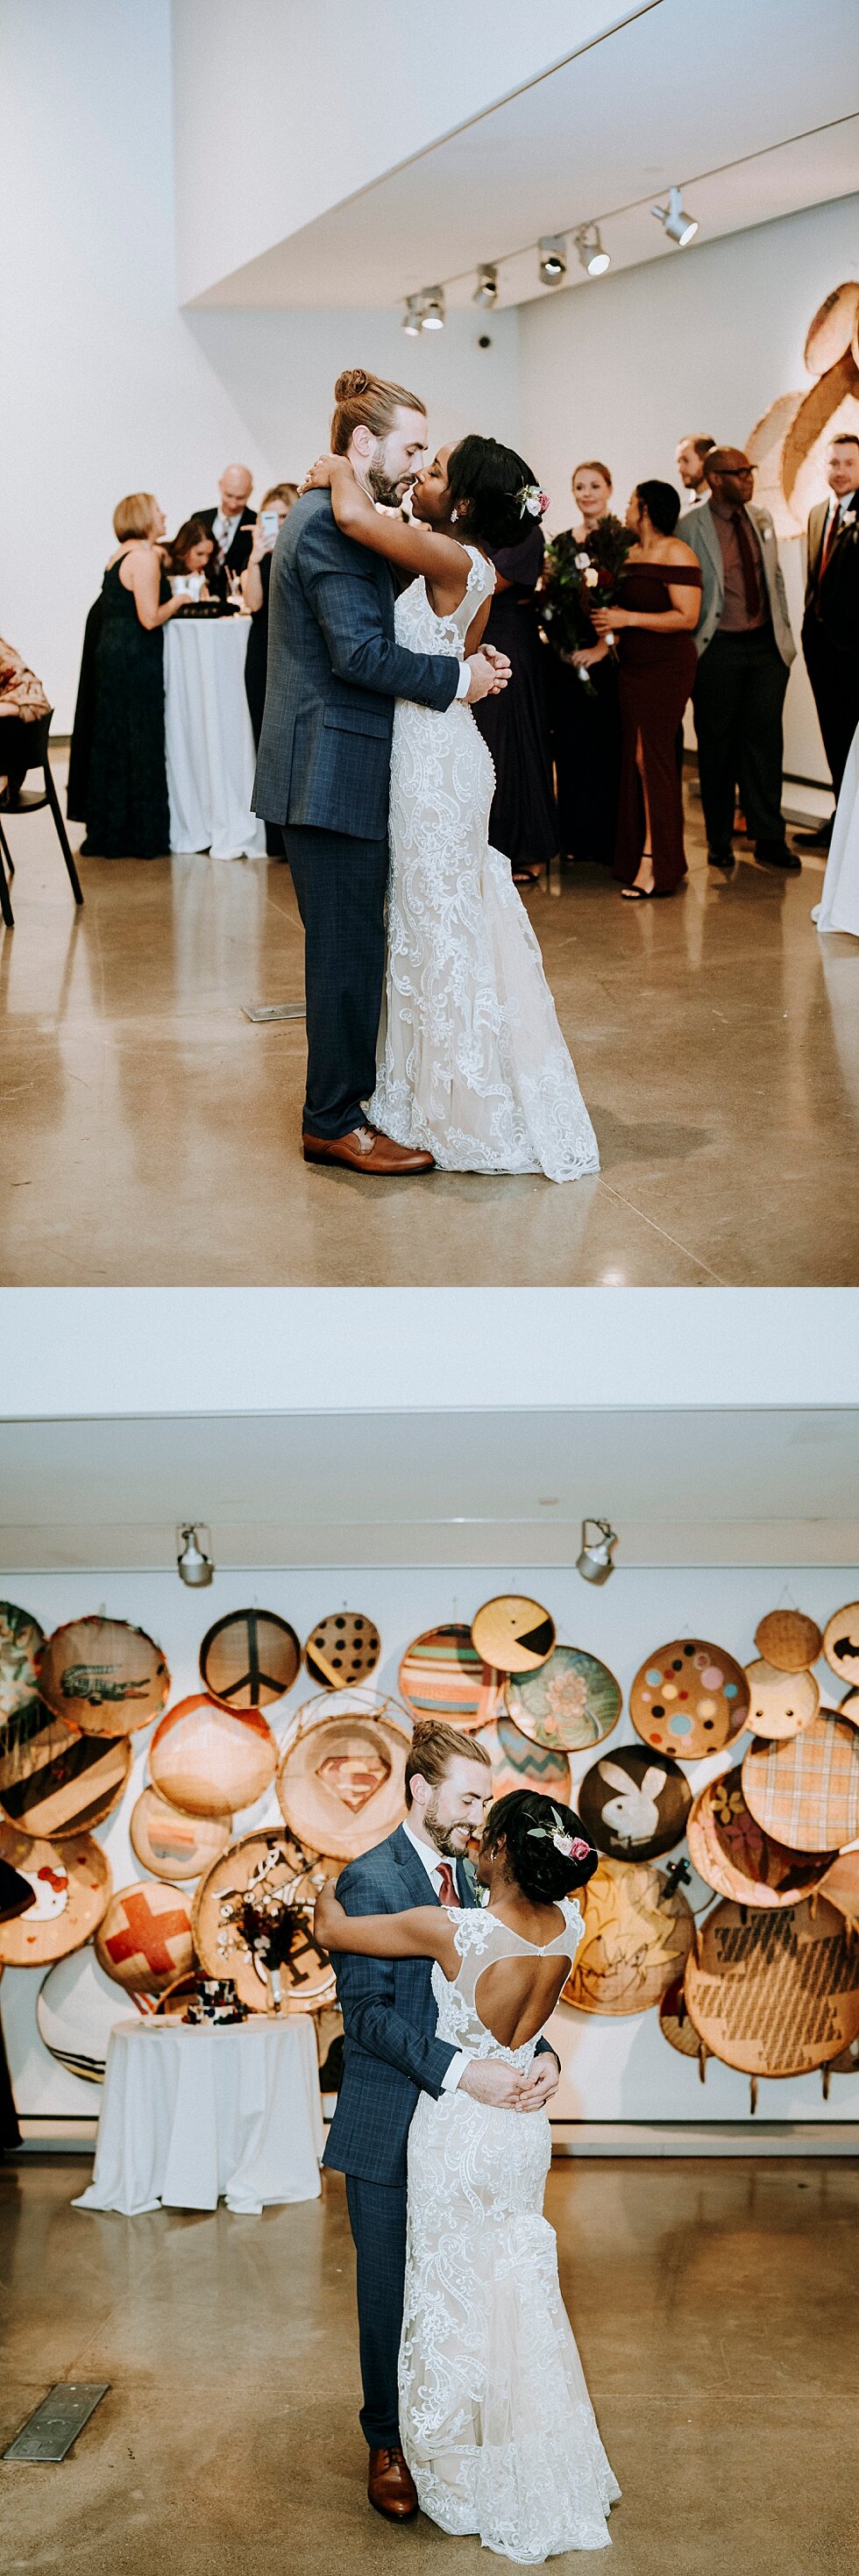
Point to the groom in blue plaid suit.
(391, 2054)
(334, 672)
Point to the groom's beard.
(381, 488)
(451, 1840)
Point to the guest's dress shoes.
(721, 859)
(819, 839)
(775, 854)
(390, 2488)
(364, 1150)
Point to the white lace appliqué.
(472, 1063)
(495, 2418)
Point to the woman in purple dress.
(656, 653)
(515, 728)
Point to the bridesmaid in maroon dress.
(657, 665)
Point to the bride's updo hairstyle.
(486, 484)
(532, 1828)
(368, 402)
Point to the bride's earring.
(454, 514)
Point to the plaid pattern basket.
(806, 1792)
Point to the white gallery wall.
(107, 387)
(614, 2070)
(327, 97)
(623, 366)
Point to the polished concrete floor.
(151, 1131)
(715, 2307)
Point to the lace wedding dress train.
(472, 1063)
(495, 2418)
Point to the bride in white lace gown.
(495, 2419)
(472, 1064)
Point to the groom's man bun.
(369, 402)
(434, 1747)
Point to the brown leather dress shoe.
(365, 1150)
(390, 2487)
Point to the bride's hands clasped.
(319, 477)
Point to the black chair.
(31, 802)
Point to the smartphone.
(269, 523)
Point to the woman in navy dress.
(523, 819)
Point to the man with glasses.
(745, 649)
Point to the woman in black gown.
(515, 727)
(585, 727)
(256, 579)
(124, 784)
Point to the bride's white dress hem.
(838, 908)
(495, 2418)
(472, 1064)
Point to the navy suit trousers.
(340, 887)
(377, 2217)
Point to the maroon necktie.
(749, 561)
(447, 1887)
(828, 543)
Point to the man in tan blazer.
(830, 625)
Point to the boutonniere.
(480, 1894)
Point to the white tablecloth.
(210, 744)
(190, 2113)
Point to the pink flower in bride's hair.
(572, 1846)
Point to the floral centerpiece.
(579, 577)
(264, 1920)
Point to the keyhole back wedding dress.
(495, 2418)
(472, 1063)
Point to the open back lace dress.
(495, 2418)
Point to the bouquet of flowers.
(579, 578)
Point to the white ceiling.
(682, 1488)
(753, 110)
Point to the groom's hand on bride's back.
(487, 2079)
(489, 672)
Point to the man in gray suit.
(334, 672)
(745, 649)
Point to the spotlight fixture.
(595, 1563)
(486, 290)
(680, 226)
(590, 250)
(195, 1561)
(411, 316)
(553, 258)
(432, 308)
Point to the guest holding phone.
(275, 504)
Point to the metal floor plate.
(273, 1010)
(49, 2433)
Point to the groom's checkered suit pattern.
(389, 2017)
(391, 2054)
(323, 773)
(334, 672)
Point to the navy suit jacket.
(391, 2053)
(334, 671)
